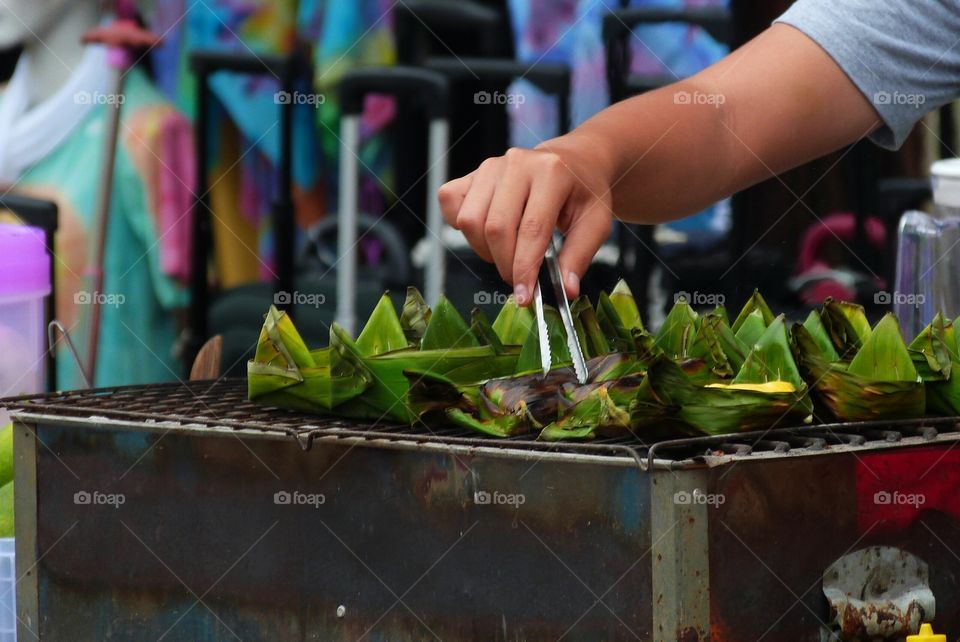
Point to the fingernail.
(520, 294)
(573, 281)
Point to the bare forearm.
(777, 102)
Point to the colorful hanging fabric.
(149, 227)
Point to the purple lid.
(24, 262)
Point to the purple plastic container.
(24, 282)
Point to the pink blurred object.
(176, 188)
(820, 279)
(840, 226)
(123, 36)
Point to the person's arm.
(775, 103)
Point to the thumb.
(451, 196)
(584, 237)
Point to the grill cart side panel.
(187, 510)
(144, 530)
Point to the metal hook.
(52, 328)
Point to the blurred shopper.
(53, 121)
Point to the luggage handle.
(429, 90)
(429, 16)
(288, 69)
(421, 86)
(550, 77)
(443, 13)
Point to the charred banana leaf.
(880, 381)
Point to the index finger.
(547, 197)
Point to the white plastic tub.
(8, 591)
(24, 283)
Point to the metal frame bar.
(27, 587)
(693, 452)
(435, 269)
(347, 223)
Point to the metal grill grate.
(224, 404)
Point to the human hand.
(509, 207)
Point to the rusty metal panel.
(141, 534)
(784, 522)
(681, 570)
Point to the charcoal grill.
(185, 512)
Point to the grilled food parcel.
(697, 374)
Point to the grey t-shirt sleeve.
(904, 55)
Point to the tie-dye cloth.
(340, 35)
(569, 31)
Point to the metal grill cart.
(188, 513)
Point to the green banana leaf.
(513, 323)
(415, 316)
(755, 304)
(621, 298)
(936, 357)
(678, 330)
(879, 383)
(847, 326)
(751, 328)
(593, 342)
(365, 380)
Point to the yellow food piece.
(769, 386)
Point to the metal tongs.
(552, 265)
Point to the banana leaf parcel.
(935, 355)
(766, 390)
(697, 374)
(858, 373)
(365, 378)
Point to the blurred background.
(231, 155)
